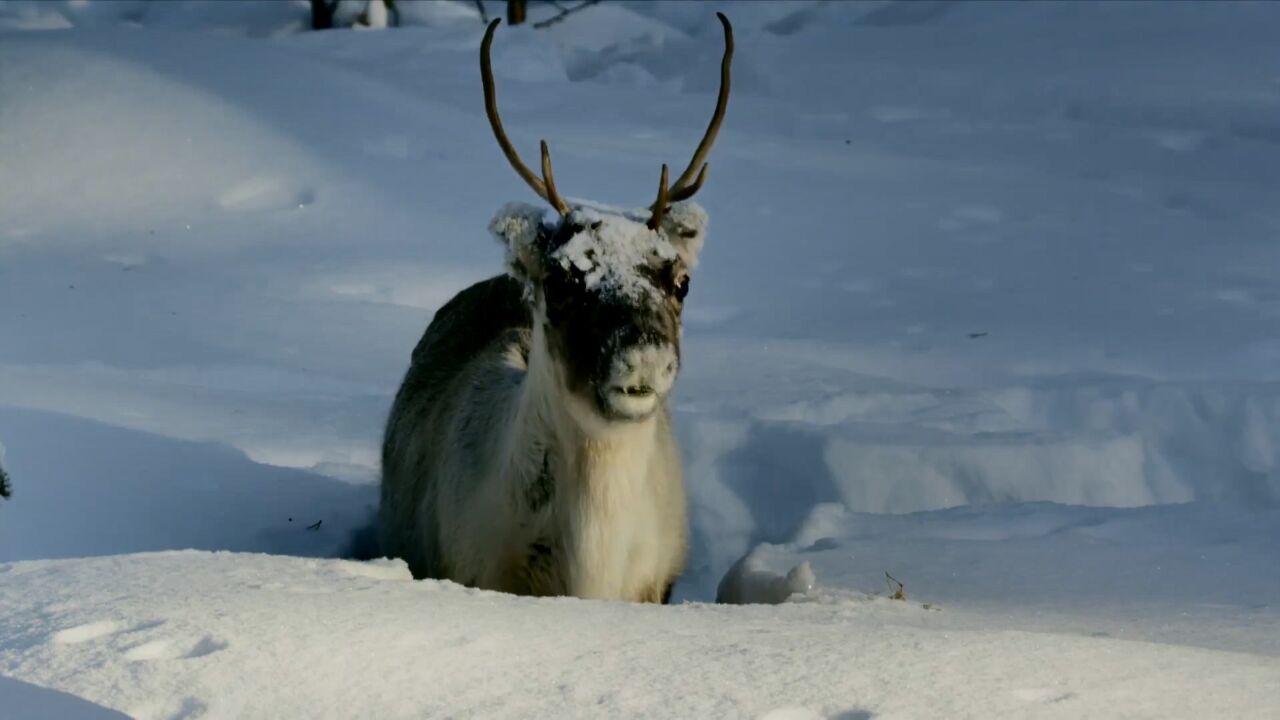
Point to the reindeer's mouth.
(639, 377)
(629, 402)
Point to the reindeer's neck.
(597, 474)
(605, 503)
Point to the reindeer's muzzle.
(639, 377)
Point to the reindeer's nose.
(645, 369)
(639, 376)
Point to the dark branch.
(564, 13)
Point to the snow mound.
(749, 581)
(84, 111)
(193, 495)
(227, 635)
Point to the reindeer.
(529, 449)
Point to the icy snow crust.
(990, 306)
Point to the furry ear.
(517, 225)
(685, 225)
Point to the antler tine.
(545, 190)
(659, 207)
(687, 192)
(682, 190)
(549, 181)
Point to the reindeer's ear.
(685, 225)
(517, 226)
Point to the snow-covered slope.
(988, 302)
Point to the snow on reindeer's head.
(607, 286)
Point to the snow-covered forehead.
(613, 249)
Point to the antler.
(545, 186)
(660, 207)
(683, 189)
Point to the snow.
(614, 247)
(987, 303)
(225, 635)
(749, 583)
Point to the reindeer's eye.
(682, 287)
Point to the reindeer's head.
(607, 286)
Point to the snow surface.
(989, 303)
(183, 634)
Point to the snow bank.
(1104, 442)
(227, 635)
(98, 489)
(1193, 574)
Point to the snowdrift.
(189, 634)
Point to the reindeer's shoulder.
(473, 319)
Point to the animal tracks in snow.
(264, 193)
(154, 650)
(1048, 696)
(170, 649)
(161, 648)
(185, 708)
(84, 633)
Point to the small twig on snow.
(897, 591)
(315, 525)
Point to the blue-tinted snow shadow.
(775, 476)
(84, 488)
(32, 702)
